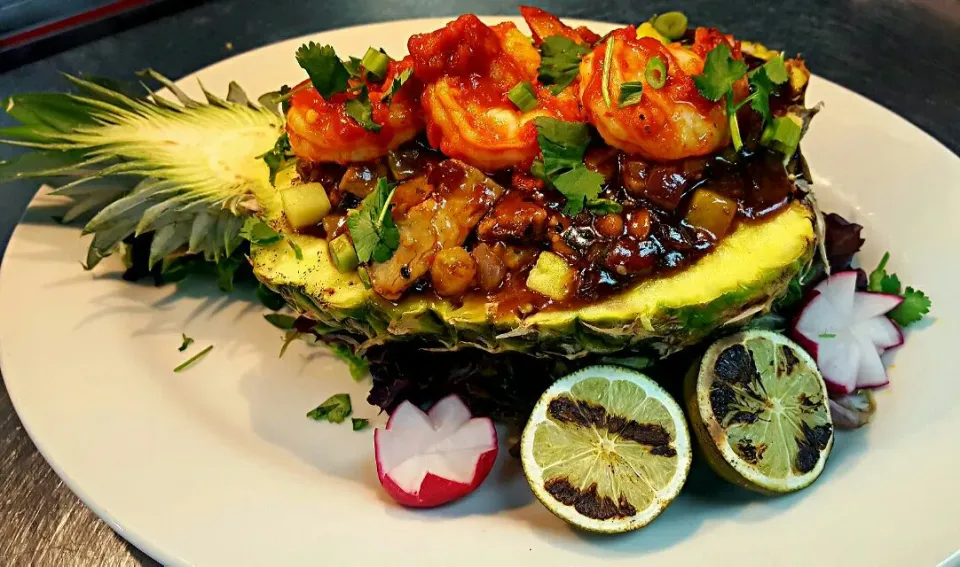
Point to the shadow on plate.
(277, 398)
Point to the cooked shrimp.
(669, 123)
(468, 68)
(321, 130)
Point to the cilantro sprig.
(329, 76)
(764, 81)
(335, 409)
(563, 145)
(398, 82)
(279, 157)
(361, 110)
(327, 72)
(560, 62)
(721, 71)
(915, 304)
(374, 233)
(259, 233)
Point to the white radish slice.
(867, 305)
(839, 362)
(451, 412)
(838, 290)
(429, 459)
(846, 331)
(881, 331)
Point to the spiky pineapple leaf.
(197, 162)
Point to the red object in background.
(59, 23)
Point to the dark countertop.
(904, 54)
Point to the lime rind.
(784, 413)
(636, 480)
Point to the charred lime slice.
(759, 410)
(606, 449)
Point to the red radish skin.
(434, 490)
(447, 423)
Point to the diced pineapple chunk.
(305, 205)
(646, 29)
(551, 276)
(711, 212)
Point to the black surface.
(904, 54)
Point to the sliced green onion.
(605, 82)
(783, 135)
(343, 254)
(364, 276)
(375, 62)
(193, 359)
(538, 170)
(631, 93)
(523, 96)
(672, 24)
(656, 73)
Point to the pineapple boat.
(560, 196)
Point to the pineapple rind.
(747, 272)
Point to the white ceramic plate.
(219, 466)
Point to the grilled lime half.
(759, 410)
(606, 449)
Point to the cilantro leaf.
(361, 110)
(358, 423)
(631, 93)
(335, 409)
(326, 71)
(279, 157)
(398, 82)
(720, 72)
(764, 81)
(560, 62)
(281, 321)
(374, 233)
(359, 366)
(352, 66)
(875, 282)
(562, 143)
(259, 233)
(187, 341)
(915, 305)
(604, 206)
(578, 185)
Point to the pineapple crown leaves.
(196, 162)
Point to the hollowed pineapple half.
(200, 175)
